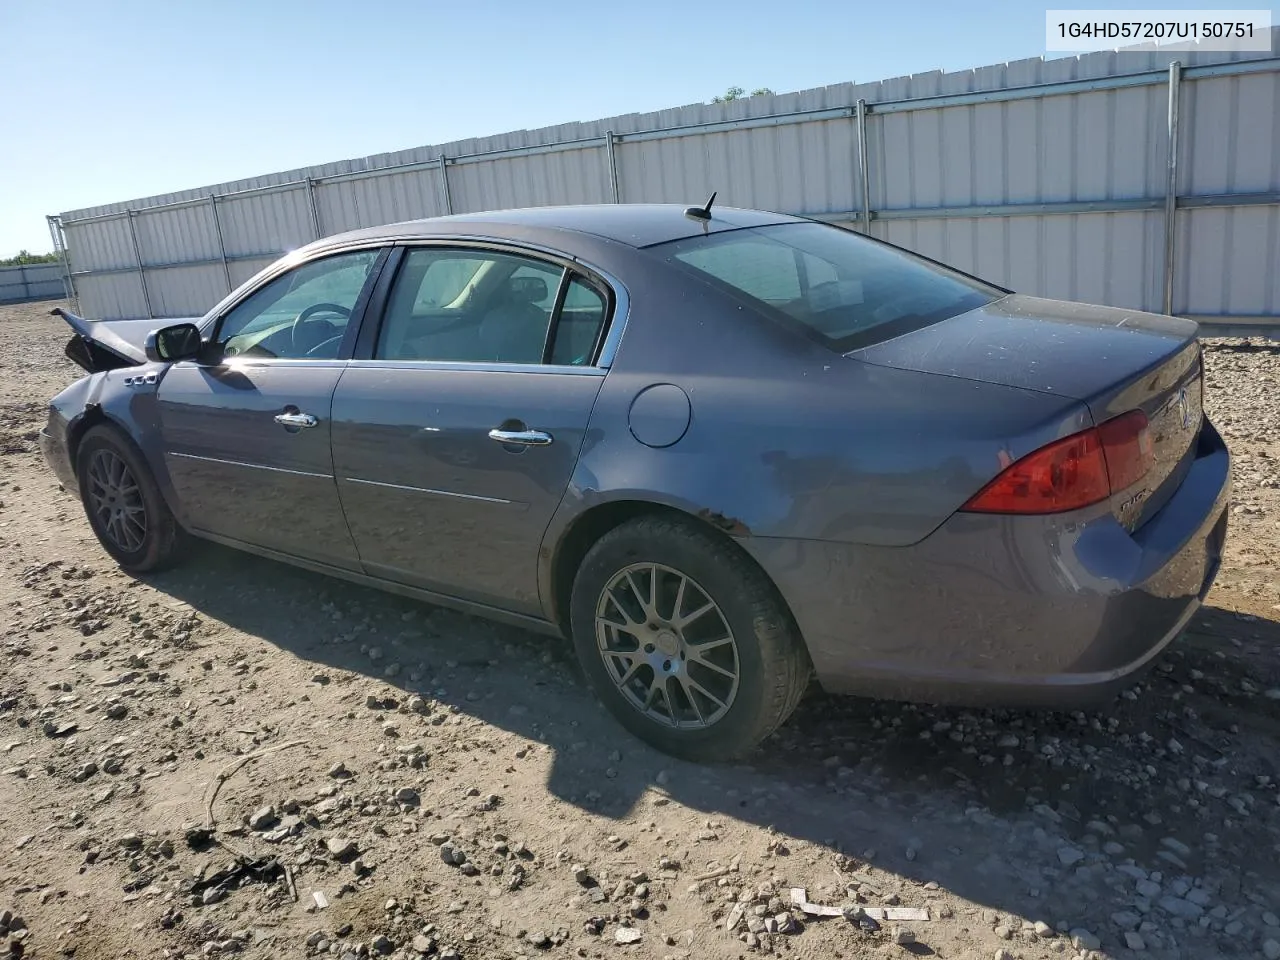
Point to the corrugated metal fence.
(35, 281)
(1141, 179)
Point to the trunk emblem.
(1184, 407)
(1133, 500)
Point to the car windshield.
(840, 287)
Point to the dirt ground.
(429, 784)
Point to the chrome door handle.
(296, 420)
(527, 438)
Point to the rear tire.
(123, 503)
(673, 679)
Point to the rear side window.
(444, 281)
(842, 288)
(579, 324)
(486, 306)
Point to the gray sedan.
(722, 450)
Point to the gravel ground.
(236, 757)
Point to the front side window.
(301, 314)
(487, 306)
(831, 283)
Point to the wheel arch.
(142, 441)
(92, 416)
(163, 534)
(578, 538)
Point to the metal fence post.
(222, 250)
(315, 210)
(60, 247)
(864, 174)
(137, 255)
(446, 199)
(613, 166)
(1171, 189)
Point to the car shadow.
(924, 792)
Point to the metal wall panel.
(242, 270)
(1092, 146)
(263, 223)
(540, 180)
(20, 292)
(30, 273)
(185, 291)
(370, 201)
(111, 295)
(1111, 258)
(175, 235)
(49, 290)
(1229, 261)
(35, 281)
(798, 167)
(1051, 190)
(101, 245)
(1232, 141)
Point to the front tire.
(123, 503)
(685, 640)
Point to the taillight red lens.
(1074, 472)
(1126, 442)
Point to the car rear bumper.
(1015, 611)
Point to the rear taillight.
(1076, 471)
(1126, 443)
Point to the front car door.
(247, 438)
(458, 424)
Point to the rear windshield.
(840, 287)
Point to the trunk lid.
(1111, 359)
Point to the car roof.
(635, 224)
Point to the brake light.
(1074, 472)
(1126, 442)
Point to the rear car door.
(247, 438)
(458, 423)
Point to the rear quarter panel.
(787, 438)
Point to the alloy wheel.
(115, 500)
(667, 646)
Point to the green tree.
(25, 257)
(737, 93)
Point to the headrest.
(527, 289)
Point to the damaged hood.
(110, 344)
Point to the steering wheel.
(305, 316)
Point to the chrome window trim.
(615, 323)
(272, 363)
(478, 366)
(241, 361)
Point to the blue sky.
(110, 100)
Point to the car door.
(247, 438)
(459, 423)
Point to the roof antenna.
(703, 212)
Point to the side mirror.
(171, 344)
